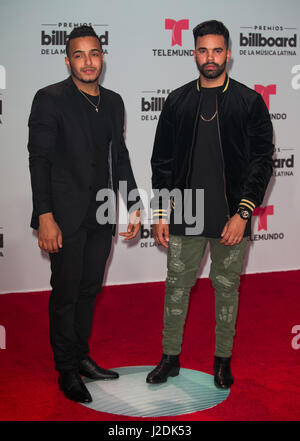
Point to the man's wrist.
(244, 213)
(46, 217)
(160, 221)
(245, 209)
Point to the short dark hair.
(213, 27)
(81, 31)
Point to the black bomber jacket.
(245, 135)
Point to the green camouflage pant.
(184, 257)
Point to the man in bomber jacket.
(214, 134)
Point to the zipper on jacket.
(109, 160)
(193, 142)
(222, 155)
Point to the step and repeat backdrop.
(148, 49)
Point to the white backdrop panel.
(141, 66)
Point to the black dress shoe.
(73, 387)
(168, 367)
(223, 377)
(90, 369)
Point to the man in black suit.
(76, 148)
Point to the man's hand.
(233, 231)
(49, 234)
(133, 226)
(161, 233)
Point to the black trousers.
(77, 275)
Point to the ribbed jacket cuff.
(247, 204)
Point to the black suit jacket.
(61, 158)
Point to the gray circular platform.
(130, 395)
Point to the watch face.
(245, 214)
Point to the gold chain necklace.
(210, 119)
(91, 102)
(201, 116)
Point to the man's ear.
(67, 61)
(228, 55)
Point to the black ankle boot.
(223, 376)
(168, 367)
(89, 368)
(73, 387)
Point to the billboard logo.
(261, 43)
(52, 39)
(59, 38)
(263, 213)
(284, 163)
(176, 27)
(296, 78)
(155, 105)
(152, 103)
(2, 77)
(265, 92)
(147, 240)
(258, 40)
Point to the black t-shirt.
(101, 132)
(207, 166)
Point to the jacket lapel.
(75, 106)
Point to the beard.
(211, 74)
(77, 75)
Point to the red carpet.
(127, 331)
